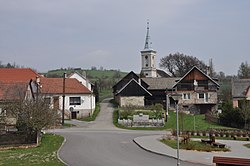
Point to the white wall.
(87, 104)
(83, 81)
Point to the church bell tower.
(148, 68)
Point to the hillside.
(91, 74)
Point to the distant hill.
(93, 75)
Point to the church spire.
(147, 41)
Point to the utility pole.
(63, 105)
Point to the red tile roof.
(13, 91)
(14, 82)
(17, 74)
(55, 86)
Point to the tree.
(245, 112)
(244, 70)
(32, 116)
(179, 64)
(96, 92)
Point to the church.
(151, 86)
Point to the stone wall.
(132, 101)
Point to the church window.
(146, 65)
(146, 57)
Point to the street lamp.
(63, 105)
(176, 97)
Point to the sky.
(50, 34)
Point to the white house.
(82, 79)
(79, 100)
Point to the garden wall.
(14, 138)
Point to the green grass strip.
(43, 155)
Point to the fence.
(17, 138)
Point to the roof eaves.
(199, 71)
(129, 83)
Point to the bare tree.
(179, 64)
(245, 112)
(33, 116)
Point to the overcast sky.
(50, 34)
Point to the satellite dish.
(71, 109)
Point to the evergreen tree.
(96, 92)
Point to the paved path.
(104, 119)
(151, 143)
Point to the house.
(130, 90)
(198, 91)
(82, 79)
(240, 91)
(14, 86)
(79, 100)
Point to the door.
(56, 102)
(73, 115)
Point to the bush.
(231, 117)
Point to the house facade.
(130, 91)
(79, 100)
(198, 92)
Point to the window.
(2, 112)
(47, 100)
(75, 101)
(201, 96)
(186, 96)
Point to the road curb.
(58, 156)
(142, 147)
(151, 151)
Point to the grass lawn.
(193, 145)
(45, 154)
(105, 93)
(247, 145)
(68, 125)
(93, 117)
(186, 122)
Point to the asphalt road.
(101, 144)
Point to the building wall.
(211, 98)
(235, 103)
(86, 107)
(132, 100)
(148, 64)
